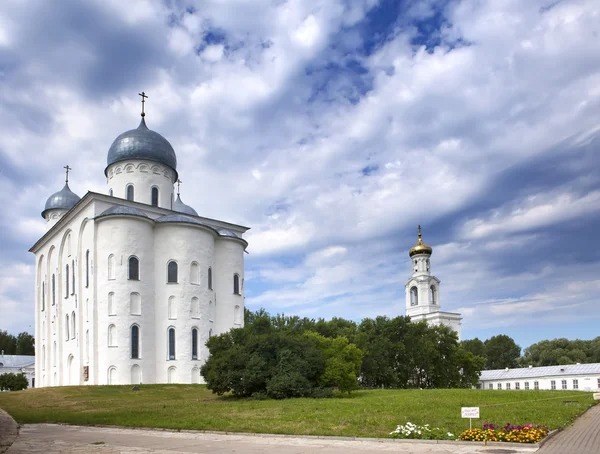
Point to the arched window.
(87, 346)
(73, 325)
(111, 266)
(194, 273)
(130, 192)
(112, 336)
(87, 268)
(66, 280)
(172, 272)
(172, 308)
(236, 284)
(172, 375)
(44, 357)
(432, 295)
(154, 196)
(195, 372)
(414, 296)
(67, 327)
(53, 290)
(136, 374)
(210, 332)
(135, 304)
(111, 379)
(237, 315)
(135, 342)
(112, 310)
(171, 343)
(210, 278)
(43, 295)
(195, 307)
(134, 269)
(73, 276)
(194, 343)
(110, 192)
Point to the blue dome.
(142, 143)
(65, 199)
(181, 207)
(120, 210)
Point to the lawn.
(372, 413)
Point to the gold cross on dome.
(144, 96)
(67, 168)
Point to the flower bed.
(509, 433)
(416, 432)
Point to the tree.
(502, 352)
(561, 351)
(475, 346)
(25, 344)
(13, 382)
(8, 343)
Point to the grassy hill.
(372, 413)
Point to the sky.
(332, 128)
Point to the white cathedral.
(423, 291)
(130, 285)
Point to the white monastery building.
(423, 291)
(573, 377)
(130, 284)
(19, 364)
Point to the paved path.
(50, 438)
(583, 437)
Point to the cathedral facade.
(423, 291)
(130, 284)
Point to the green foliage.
(561, 351)
(8, 343)
(23, 344)
(501, 351)
(13, 382)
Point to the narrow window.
(135, 304)
(111, 266)
(236, 284)
(210, 278)
(172, 308)
(508, 386)
(112, 310)
(154, 196)
(87, 268)
(171, 343)
(237, 315)
(134, 269)
(53, 290)
(67, 327)
(575, 384)
(432, 295)
(553, 384)
(526, 385)
(414, 296)
(66, 281)
(112, 336)
(87, 346)
(210, 332)
(564, 384)
(43, 295)
(195, 307)
(499, 385)
(172, 272)
(73, 324)
(73, 277)
(130, 192)
(135, 342)
(517, 385)
(44, 357)
(110, 192)
(536, 385)
(194, 343)
(194, 273)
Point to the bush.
(290, 384)
(321, 393)
(13, 382)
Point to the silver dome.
(65, 199)
(181, 207)
(142, 143)
(179, 218)
(225, 232)
(122, 210)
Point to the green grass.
(372, 413)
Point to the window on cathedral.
(111, 266)
(43, 295)
(236, 284)
(73, 277)
(110, 192)
(135, 304)
(112, 310)
(112, 336)
(432, 295)
(237, 315)
(194, 273)
(210, 278)
(134, 269)
(172, 308)
(414, 296)
(135, 342)
(194, 343)
(154, 196)
(130, 192)
(67, 327)
(53, 290)
(171, 343)
(195, 307)
(87, 268)
(172, 272)
(73, 325)
(66, 281)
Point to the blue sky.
(332, 128)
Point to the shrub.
(290, 384)
(13, 382)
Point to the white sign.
(469, 412)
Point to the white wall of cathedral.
(53, 216)
(422, 295)
(142, 176)
(229, 262)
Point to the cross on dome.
(144, 96)
(67, 168)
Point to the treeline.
(23, 344)
(501, 351)
(281, 356)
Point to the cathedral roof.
(65, 199)
(181, 207)
(180, 218)
(225, 232)
(120, 210)
(142, 143)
